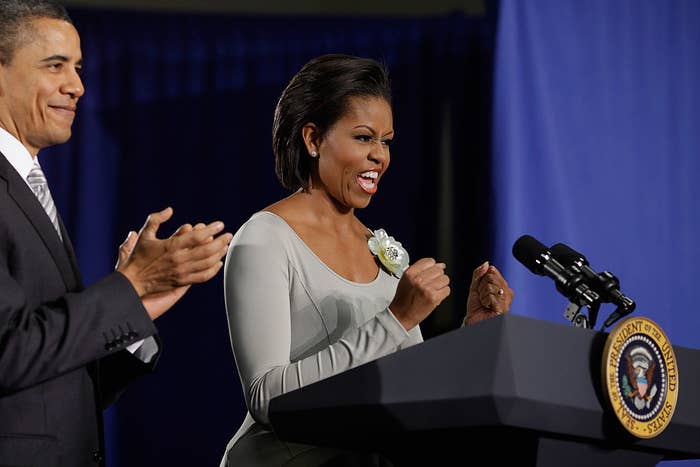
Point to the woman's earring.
(314, 154)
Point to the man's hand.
(162, 270)
(157, 303)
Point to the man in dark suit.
(67, 351)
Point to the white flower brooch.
(390, 252)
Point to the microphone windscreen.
(529, 251)
(567, 255)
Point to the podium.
(510, 389)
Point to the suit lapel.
(27, 202)
(70, 251)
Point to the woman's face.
(354, 152)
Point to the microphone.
(539, 260)
(604, 283)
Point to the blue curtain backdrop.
(596, 137)
(178, 112)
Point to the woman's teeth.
(368, 181)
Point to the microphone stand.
(606, 290)
(605, 285)
(578, 318)
(580, 295)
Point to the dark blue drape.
(178, 112)
(596, 139)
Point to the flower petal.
(390, 253)
(373, 244)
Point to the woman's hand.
(423, 286)
(489, 294)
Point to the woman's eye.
(364, 138)
(387, 142)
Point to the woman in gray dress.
(310, 291)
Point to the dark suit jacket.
(62, 357)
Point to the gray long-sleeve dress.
(293, 321)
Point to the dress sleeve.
(414, 337)
(257, 282)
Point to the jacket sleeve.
(42, 341)
(118, 370)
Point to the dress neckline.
(315, 256)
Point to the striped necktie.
(37, 181)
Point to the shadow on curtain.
(178, 113)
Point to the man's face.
(40, 87)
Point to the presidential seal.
(640, 376)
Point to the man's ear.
(312, 137)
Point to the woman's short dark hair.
(320, 94)
(15, 17)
